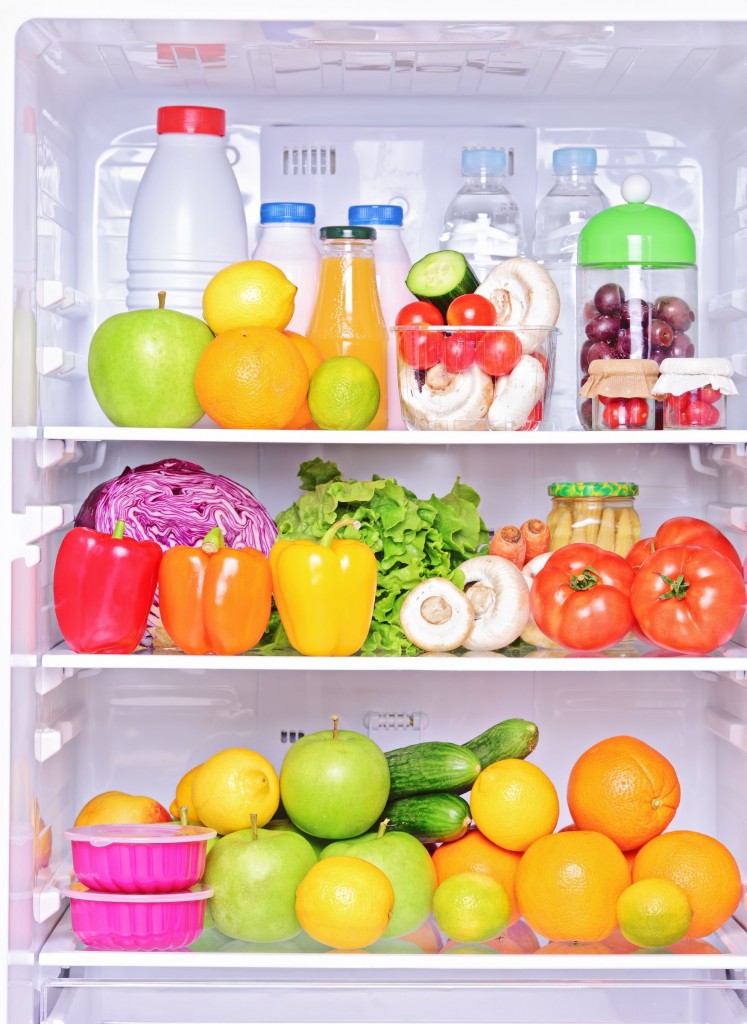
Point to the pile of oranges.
(612, 881)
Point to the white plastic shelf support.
(47, 900)
(35, 522)
(728, 306)
(731, 516)
(50, 454)
(50, 740)
(53, 361)
(48, 679)
(57, 297)
(728, 727)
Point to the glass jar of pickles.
(694, 393)
(601, 513)
(621, 393)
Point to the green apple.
(142, 364)
(254, 873)
(334, 784)
(408, 866)
(286, 825)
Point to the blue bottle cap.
(483, 161)
(287, 213)
(386, 215)
(578, 159)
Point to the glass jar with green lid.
(637, 286)
(594, 512)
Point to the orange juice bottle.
(347, 318)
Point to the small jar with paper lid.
(637, 285)
(621, 391)
(694, 393)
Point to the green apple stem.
(382, 828)
(253, 819)
(335, 720)
(183, 816)
(162, 300)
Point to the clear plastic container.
(594, 512)
(561, 214)
(483, 221)
(287, 240)
(188, 217)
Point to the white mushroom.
(516, 394)
(523, 293)
(446, 401)
(436, 616)
(499, 595)
(531, 633)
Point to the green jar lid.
(596, 489)
(636, 233)
(348, 231)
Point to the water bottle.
(392, 266)
(287, 240)
(483, 220)
(188, 218)
(561, 214)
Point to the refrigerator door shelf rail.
(57, 297)
(36, 522)
(52, 361)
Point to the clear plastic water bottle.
(561, 214)
(392, 266)
(483, 220)
(188, 217)
(288, 241)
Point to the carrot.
(537, 537)
(508, 542)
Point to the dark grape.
(681, 347)
(589, 311)
(658, 415)
(660, 333)
(635, 313)
(603, 328)
(622, 345)
(584, 414)
(674, 311)
(600, 350)
(608, 299)
(584, 356)
(659, 354)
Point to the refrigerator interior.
(339, 113)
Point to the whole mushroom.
(436, 616)
(499, 596)
(522, 292)
(444, 400)
(516, 394)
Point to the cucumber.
(431, 767)
(516, 737)
(440, 277)
(430, 817)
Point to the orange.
(567, 886)
(513, 803)
(703, 868)
(475, 852)
(625, 789)
(313, 359)
(252, 378)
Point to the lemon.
(653, 912)
(344, 394)
(248, 294)
(345, 902)
(230, 786)
(183, 797)
(471, 907)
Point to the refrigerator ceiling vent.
(307, 160)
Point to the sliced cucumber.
(440, 277)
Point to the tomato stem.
(677, 588)
(588, 579)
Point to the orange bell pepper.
(214, 599)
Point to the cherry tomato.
(625, 412)
(420, 349)
(542, 360)
(676, 407)
(688, 599)
(701, 414)
(709, 394)
(498, 352)
(640, 552)
(419, 313)
(581, 599)
(470, 310)
(688, 530)
(534, 418)
(458, 351)
(638, 412)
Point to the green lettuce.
(413, 539)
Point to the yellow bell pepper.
(324, 591)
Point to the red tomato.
(458, 351)
(625, 412)
(709, 394)
(640, 552)
(420, 349)
(686, 530)
(701, 414)
(542, 360)
(580, 598)
(534, 418)
(498, 352)
(688, 599)
(470, 311)
(419, 313)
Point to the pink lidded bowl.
(160, 858)
(137, 923)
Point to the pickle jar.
(637, 286)
(601, 513)
(694, 393)
(620, 390)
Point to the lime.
(343, 394)
(471, 907)
(654, 912)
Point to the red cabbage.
(174, 502)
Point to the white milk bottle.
(287, 241)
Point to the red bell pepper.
(104, 588)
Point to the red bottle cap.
(191, 121)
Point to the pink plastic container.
(114, 921)
(160, 858)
